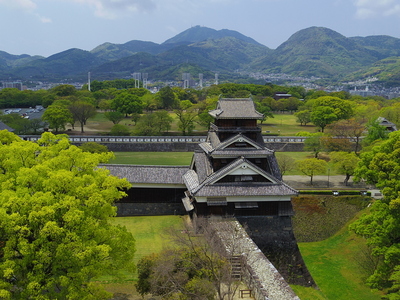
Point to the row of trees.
(120, 100)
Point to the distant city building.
(13, 84)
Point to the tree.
(186, 118)
(82, 111)
(119, 130)
(345, 163)
(322, 116)
(56, 205)
(162, 121)
(145, 125)
(57, 116)
(381, 227)
(327, 109)
(376, 132)
(198, 268)
(64, 90)
(93, 147)
(127, 103)
(286, 163)
(114, 116)
(349, 129)
(314, 144)
(311, 167)
(167, 97)
(303, 117)
(265, 109)
(335, 144)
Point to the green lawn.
(336, 266)
(153, 158)
(286, 125)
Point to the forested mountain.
(315, 51)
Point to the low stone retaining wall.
(172, 143)
(149, 209)
(258, 273)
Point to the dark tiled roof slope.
(5, 127)
(207, 188)
(236, 108)
(149, 174)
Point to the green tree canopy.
(56, 206)
(345, 163)
(311, 167)
(167, 97)
(381, 228)
(328, 109)
(314, 144)
(82, 111)
(127, 103)
(57, 116)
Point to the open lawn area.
(286, 125)
(336, 266)
(153, 158)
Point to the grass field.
(286, 125)
(281, 124)
(153, 158)
(336, 267)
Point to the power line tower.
(144, 77)
(137, 77)
(216, 78)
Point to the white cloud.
(374, 8)
(112, 8)
(20, 4)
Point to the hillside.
(386, 70)
(311, 52)
(316, 51)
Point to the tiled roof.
(207, 188)
(149, 174)
(191, 179)
(203, 165)
(236, 108)
(242, 152)
(246, 190)
(213, 139)
(233, 139)
(5, 126)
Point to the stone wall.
(172, 144)
(275, 238)
(258, 273)
(149, 209)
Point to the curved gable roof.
(236, 108)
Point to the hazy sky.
(46, 27)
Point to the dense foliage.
(381, 228)
(55, 229)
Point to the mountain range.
(311, 52)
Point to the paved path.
(333, 182)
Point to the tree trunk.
(346, 180)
